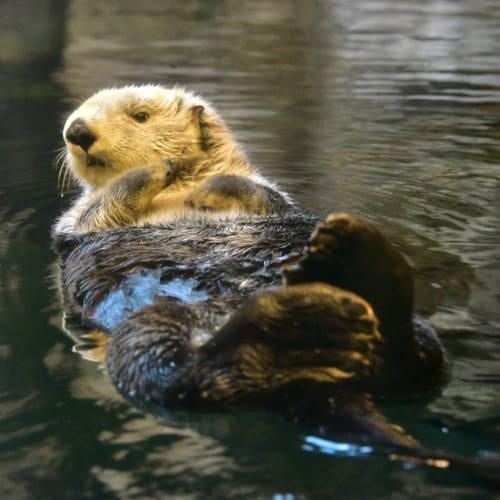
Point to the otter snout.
(79, 134)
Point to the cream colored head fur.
(139, 125)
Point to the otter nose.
(79, 134)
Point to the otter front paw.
(236, 193)
(128, 197)
(140, 185)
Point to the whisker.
(66, 180)
(60, 175)
(63, 176)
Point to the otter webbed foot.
(311, 335)
(149, 356)
(303, 351)
(313, 338)
(352, 254)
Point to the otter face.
(119, 129)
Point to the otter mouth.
(94, 161)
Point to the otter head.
(119, 129)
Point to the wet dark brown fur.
(295, 348)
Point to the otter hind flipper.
(331, 343)
(149, 356)
(309, 326)
(354, 255)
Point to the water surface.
(386, 109)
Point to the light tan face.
(121, 129)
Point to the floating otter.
(176, 250)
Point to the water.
(387, 109)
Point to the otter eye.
(141, 117)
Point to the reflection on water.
(384, 108)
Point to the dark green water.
(387, 109)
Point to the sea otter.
(207, 284)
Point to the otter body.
(206, 282)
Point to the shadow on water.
(386, 109)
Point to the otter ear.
(197, 112)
